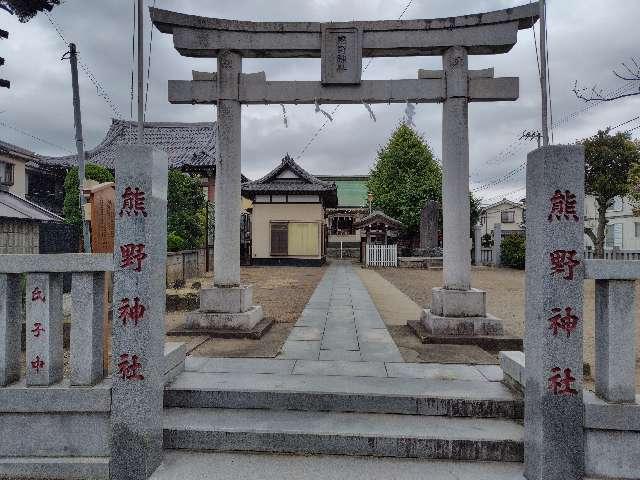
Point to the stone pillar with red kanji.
(554, 314)
(137, 351)
(43, 328)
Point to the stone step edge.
(345, 402)
(226, 440)
(72, 468)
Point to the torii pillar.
(228, 306)
(456, 308)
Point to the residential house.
(288, 216)
(511, 216)
(13, 168)
(623, 227)
(22, 223)
(353, 206)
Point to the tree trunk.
(601, 232)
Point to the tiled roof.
(10, 149)
(13, 206)
(188, 145)
(303, 183)
(378, 217)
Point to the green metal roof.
(352, 193)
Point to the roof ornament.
(324, 112)
(370, 110)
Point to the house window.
(508, 216)
(6, 173)
(637, 224)
(295, 239)
(279, 239)
(613, 236)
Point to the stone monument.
(138, 311)
(429, 226)
(554, 410)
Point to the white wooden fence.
(381, 256)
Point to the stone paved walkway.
(341, 322)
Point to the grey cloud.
(588, 38)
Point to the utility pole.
(140, 74)
(77, 118)
(4, 83)
(543, 72)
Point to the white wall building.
(510, 214)
(623, 227)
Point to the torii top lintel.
(480, 34)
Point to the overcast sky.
(587, 39)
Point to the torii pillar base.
(226, 312)
(460, 312)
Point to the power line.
(100, 90)
(625, 123)
(35, 137)
(504, 195)
(335, 110)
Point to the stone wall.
(18, 237)
(188, 264)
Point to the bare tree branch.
(596, 94)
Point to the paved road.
(341, 322)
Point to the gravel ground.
(283, 293)
(505, 299)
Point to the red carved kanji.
(562, 384)
(563, 261)
(37, 329)
(134, 312)
(37, 363)
(38, 294)
(132, 254)
(567, 322)
(563, 204)
(133, 202)
(129, 369)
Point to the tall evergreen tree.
(609, 160)
(404, 177)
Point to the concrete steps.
(222, 466)
(407, 396)
(333, 433)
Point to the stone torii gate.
(341, 46)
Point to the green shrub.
(71, 207)
(512, 251)
(175, 243)
(185, 212)
(486, 241)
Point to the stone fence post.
(477, 245)
(138, 312)
(497, 244)
(554, 410)
(615, 361)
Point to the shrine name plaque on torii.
(341, 47)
